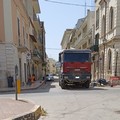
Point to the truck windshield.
(77, 57)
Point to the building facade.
(80, 37)
(21, 40)
(51, 65)
(107, 35)
(66, 39)
(102, 37)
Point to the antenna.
(85, 7)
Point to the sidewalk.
(11, 109)
(35, 85)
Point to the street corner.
(33, 114)
(40, 112)
(37, 112)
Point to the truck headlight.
(77, 77)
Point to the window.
(103, 26)
(97, 19)
(85, 29)
(102, 62)
(77, 57)
(89, 41)
(24, 35)
(109, 59)
(18, 24)
(18, 27)
(111, 18)
(79, 35)
(84, 46)
(97, 39)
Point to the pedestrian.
(44, 79)
(29, 80)
(32, 78)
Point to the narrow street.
(99, 103)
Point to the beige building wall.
(14, 48)
(65, 40)
(84, 33)
(51, 66)
(108, 38)
(7, 48)
(2, 34)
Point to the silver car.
(49, 77)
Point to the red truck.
(75, 68)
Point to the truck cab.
(75, 68)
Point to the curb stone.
(31, 115)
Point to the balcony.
(36, 6)
(94, 48)
(33, 36)
(40, 42)
(36, 55)
(36, 21)
(22, 48)
(35, 17)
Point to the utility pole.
(16, 87)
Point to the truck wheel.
(63, 86)
(87, 84)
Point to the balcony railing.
(34, 35)
(22, 46)
(35, 17)
(94, 48)
(39, 40)
(36, 6)
(36, 55)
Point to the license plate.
(77, 77)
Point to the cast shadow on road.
(42, 89)
(87, 89)
(45, 87)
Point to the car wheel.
(63, 85)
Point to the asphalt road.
(99, 103)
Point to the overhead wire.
(72, 4)
(53, 48)
(66, 3)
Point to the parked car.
(56, 77)
(49, 77)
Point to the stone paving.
(11, 109)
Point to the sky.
(58, 17)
